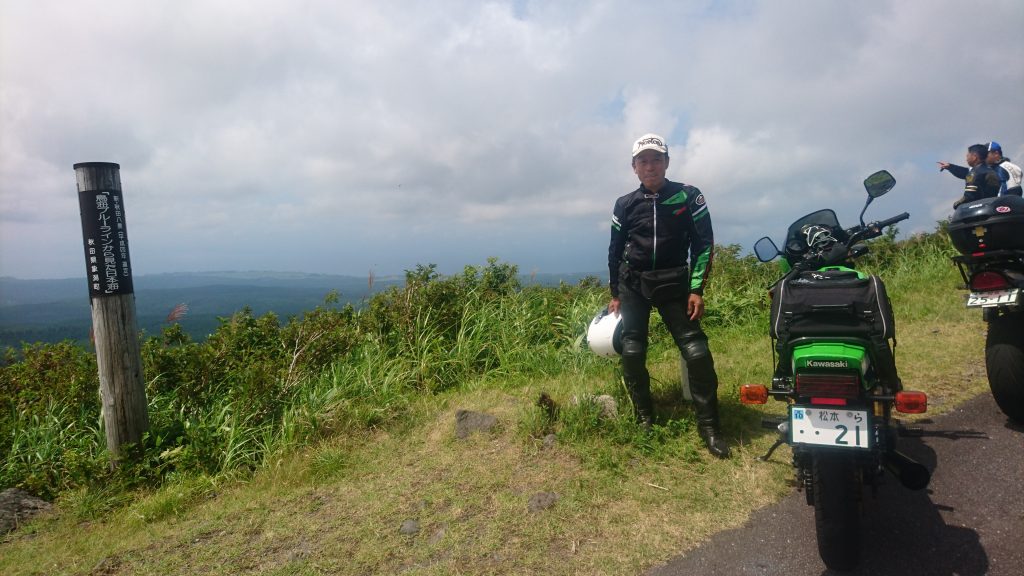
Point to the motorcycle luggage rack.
(965, 263)
(985, 256)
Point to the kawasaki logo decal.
(827, 364)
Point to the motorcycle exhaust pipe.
(910, 473)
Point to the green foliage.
(52, 450)
(259, 388)
(45, 371)
(181, 493)
(321, 337)
(737, 293)
(612, 442)
(41, 435)
(329, 463)
(434, 323)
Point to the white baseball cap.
(649, 142)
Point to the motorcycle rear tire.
(837, 484)
(1004, 362)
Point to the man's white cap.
(649, 142)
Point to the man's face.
(994, 157)
(650, 167)
(972, 159)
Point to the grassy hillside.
(268, 460)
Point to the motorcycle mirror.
(765, 249)
(879, 183)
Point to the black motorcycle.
(989, 234)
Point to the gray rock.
(609, 408)
(550, 440)
(17, 507)
(468, 422)
(605, 403)
(541, 501)
(409, 527)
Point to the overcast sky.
(342, 137)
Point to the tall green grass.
(259, 389)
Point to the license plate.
(829, 426)
(994, 298)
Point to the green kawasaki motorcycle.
(834, 336)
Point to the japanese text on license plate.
(830, 426)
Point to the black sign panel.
(105, 236)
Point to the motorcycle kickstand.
(768, 454)
(783, 430)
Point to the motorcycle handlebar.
(893, 220)
(874, 229)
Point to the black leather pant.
(692, 343)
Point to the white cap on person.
(650, 142)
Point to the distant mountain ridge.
(14, 291)
(54, 310)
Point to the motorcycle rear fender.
(787, 349)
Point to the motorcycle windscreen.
(796, 241)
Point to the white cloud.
(280, 135)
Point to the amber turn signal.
(911, 402)
(753, 394)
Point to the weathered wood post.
(115, 331)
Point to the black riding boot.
(638, 382)
(643, 407)
(704, 388)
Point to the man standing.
(654, 228)
(980, 181)
(1011, 171)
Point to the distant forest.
(51, 311)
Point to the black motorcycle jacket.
(655, 231)
(980, 181)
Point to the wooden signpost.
(115, 331)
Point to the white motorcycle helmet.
(605, 334)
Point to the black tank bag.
(831, 303)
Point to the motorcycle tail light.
(828, 401)
(828, 385)
(753, 394)
(908, 402)
(989, 280)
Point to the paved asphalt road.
(968, 522)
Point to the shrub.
(258, 387)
